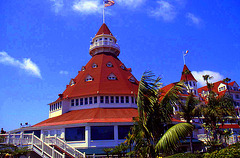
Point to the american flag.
(108, 3)
(186, 52)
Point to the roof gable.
(104, 30)
(187, 75)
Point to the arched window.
(109, 64)
(94, 65)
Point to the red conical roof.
(187, 76)
(101, 85)
(104, 30)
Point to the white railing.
(104, 43)
(64, 146)
(33, 143)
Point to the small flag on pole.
(186, 52)
(108, 3)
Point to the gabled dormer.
(72, 82)
(112, 77)
(88, 78)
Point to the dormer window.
(122, 67)
(94, 65)
(83, 68)
(112, 77)
(109, 64)
(72, 82)
(132, 79)
(89, 78)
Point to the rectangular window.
(123, 131)
(132, 100)
(117, 99)
(45, 133)
(75, 134)
(190, 83)
(102, 132)
(112, 99)
(90, 100)
(77, 102)
(237, 96)
(72, 102)
(95, 100)
(59, 133)
(52, 132)
(106, 99)
(86, 101)
(127, 99)
(122, 99)
(81, 101)
(101, 99)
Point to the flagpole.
(184, 59)
(103, 12)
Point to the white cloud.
(26, 65)
(198, 76)
(193, 19)
(165, 10)
(130, 3)
(62, 72)
(88, 6)
(57, 5)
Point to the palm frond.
(172, 137)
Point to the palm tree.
(155, 112)
(216, 108)
(188, 111)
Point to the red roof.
(229, 126)
(187, 77)
(101, 85)
(91, 116)
(96, 115)
(104, 30)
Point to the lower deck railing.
(41, 147)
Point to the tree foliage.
(151, 133)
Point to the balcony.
(104, 44)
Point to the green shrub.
(232, 151)
(186, 155)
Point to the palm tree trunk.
(191, 136)
(191, 144)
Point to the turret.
(104, 42)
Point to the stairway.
(51, 147)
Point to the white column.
(41, 135)
(87, 135)
(116, 134)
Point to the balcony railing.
(104, 43)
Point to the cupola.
(104, 42)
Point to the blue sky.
(44, 43)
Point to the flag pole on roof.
(184, 54)
(107, 3)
